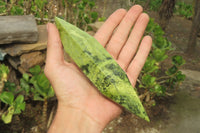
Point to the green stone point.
(99, 66)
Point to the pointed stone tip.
(147, 119)
(56, 18)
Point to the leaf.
(7, 116)
(50, 92)
(26, 76)
(150, 66)
(35, 70)
(3, 72)
(25, 85)
(7, 97)
(178, 60)
(38, 98)
(4, 69)
(19, 99)
(10, 87)
(43, 82)
(19, 107)
(172, 70)
(180, 77)
(159, 55)
(148, 80)
(159, 90)
(19, 104)
(39, 90)
(94, 16)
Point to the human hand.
(77, 97)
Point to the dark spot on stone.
(110, 66)
(106, 81)
(84, 68)
(117, 71)
(86, 51)
(123, 99)
(109, 58)
(96, 58)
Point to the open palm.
(71, 86)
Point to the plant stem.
(161, 82)
(44, 115)
(164, 77)
(51, 117)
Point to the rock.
(194, 75)
(95, 26)
(18, 49)
(31, 59)
(18, 29)
(91, 33)
(2, 55)
(14, 61)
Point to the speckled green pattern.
(99, 67)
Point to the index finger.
(104, 33)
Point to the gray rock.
(2, 55)
(194, 75)
(18, 49)
(18, 29)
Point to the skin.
(81, 108)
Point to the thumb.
(55, 54)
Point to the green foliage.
(2, 7)
(38, 9)
(154, 79)
(3, 72)
(16, 10)
(148, 81)
(13, 102)
(15, 105)
(154, 5)
(81, 12)
(36, 85)
(77, 12)
(183, 9)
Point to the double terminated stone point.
(99, 66)
(18, 29)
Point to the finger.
(137, 63)
(119, 38)
(129, 49)
(54, 47)
(105, 32)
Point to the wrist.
(73, 120)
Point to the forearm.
(73, 121)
